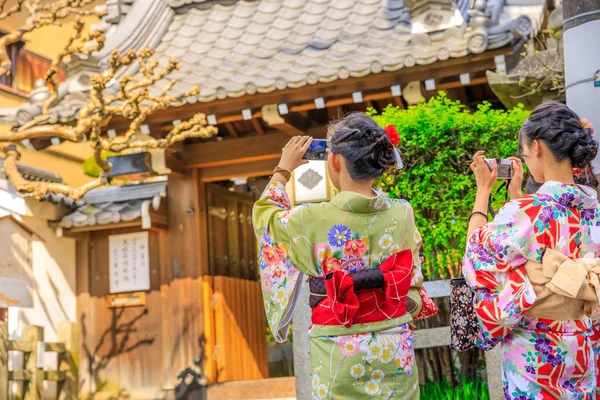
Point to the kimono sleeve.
(280, 279)
(422, 307)
(494, 268)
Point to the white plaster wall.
(582, 59)
(54, 275)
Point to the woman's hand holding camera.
(485, 177)
(291, 157)
(515, 186)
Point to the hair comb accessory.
(392, 133)
(399, 163)
(586, 124)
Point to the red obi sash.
(343, 305)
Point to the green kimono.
(350, 233)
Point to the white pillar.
(582, 59)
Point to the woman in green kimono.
(361, 254)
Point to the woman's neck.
(559, 173)
(364, 188)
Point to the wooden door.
(239, 319)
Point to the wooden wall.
(141, 348)
(119, 345)
(189, 313)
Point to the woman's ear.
(536, 148)
(335, 162)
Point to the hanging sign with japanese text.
(129, 265)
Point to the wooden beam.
(236, 117)
(119, 225)
(20, 345)
(398, 102)
(242, 150)
(231, 129)
(290, 123)
(19, 375)
(295, 124)
(461, 95)
(457, 84)
(258, 127)
(235, 151)
(247, 170)
(81, 237)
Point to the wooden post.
(69, 333)
(3, 359)
(34, 365)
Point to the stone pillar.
(493, 366)
(581, 24)
(301, 322)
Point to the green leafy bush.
(441, 390)
(438, 139)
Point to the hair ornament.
(586, 124)
(392, 133)
(399, 163)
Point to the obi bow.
(342, 287)
(397, 273)
(566, 289)
(578, 278)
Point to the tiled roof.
(235, 48)
(246, 47)
(116, 204)
(39, 175)
(32, 173)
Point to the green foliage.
(91, 168)
(441, 390)
(438, 139)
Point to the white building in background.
(37, 268)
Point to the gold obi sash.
(566, 289)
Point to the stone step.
(263, 389)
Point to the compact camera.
(504, 167)
(317, 150)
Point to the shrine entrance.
(243, 350)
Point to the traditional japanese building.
(267, 69)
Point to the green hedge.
(467, 390)
(438, 139)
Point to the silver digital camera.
(504, 166)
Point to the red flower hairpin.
(581, 171)
(392, 133)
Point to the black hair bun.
(584, 148)
(560, 128)
(364, 145)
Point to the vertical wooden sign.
(129, 264)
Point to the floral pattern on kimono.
(349, 234)
(542, 359)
